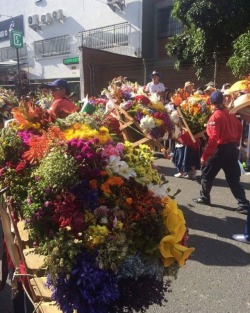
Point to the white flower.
(175, 117)
(120, 167)
(126, 171)
(158, 190)
(154, 98)
(147, 123)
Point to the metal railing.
(10, 53)
(120, 38)
(52, 47)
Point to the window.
(51, 47)
(166, 25)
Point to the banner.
(13, 23)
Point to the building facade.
(54, 33)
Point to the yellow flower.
(96, 234)
(158, 122)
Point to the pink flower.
(111, 150)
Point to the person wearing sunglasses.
(62, 105)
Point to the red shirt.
(61, 108)
(222, 128)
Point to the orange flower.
(93, 184)
(129, 200)
(111, 181)
(115, 180)
(38, 146)
(105, 188)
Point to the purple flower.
(87, 290)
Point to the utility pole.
(215, 68)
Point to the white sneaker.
(189, 176)
(178, 175)
(241, 238)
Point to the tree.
(240, 60)
(209, 26)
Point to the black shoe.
(202, 201)
(242, 210)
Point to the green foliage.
(240, 60)
(208, 26)
(57, 169)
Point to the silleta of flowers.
(195, 109)
(8, 100)
(98, 210)
(148, 111)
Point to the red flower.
(143, 99)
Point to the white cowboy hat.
(242, 105)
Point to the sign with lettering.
(69, 61)
(13, 23)
(16, 39)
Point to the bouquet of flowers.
(45, 100)
(8, 100)
(196, 111)
(148, 112)
(98, 210)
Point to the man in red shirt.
(224, 132)
(62, 105)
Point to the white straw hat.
(242, 104)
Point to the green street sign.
(69, 61)
(16, 39)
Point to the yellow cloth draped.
(170, 246)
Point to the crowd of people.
(223, 147)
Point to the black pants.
(226, 158)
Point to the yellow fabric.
(170, 246)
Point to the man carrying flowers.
(221, 152)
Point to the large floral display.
(147, 111)
(97, 209)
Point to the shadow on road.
(218, 182)
(216, 252)
(212, 251)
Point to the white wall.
(79, 15)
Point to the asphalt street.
(216, 277)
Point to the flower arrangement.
(8, 100)
(97, 209)
(148, 111)
(45, 99)
(196, 112)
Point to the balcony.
(9, 53)
(52, 47)
(120, 38)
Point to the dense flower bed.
(99, 210)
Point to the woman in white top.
(155, 86)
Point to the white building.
(53, 31)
